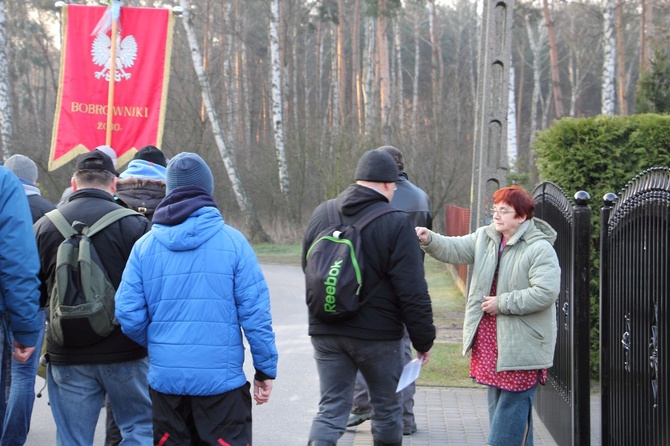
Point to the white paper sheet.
(409, 374)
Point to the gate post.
(581, 320)
(605, 428)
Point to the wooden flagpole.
(116, 8)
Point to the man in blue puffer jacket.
(190, 287)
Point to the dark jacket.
(38, 204)
(413, 200)
(141, 194)
(393, 260)
(113, 244)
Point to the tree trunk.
(434, 65)
(368, 98)
(277, 107)
(621, 62)
(257, 233)
(5, 98)
(535, 42)
(356, 78)
(646, 32)
(397, 97)
(417, 72)
(609, 59)
(512, 140)
(553, 56)
(384, 77)
(341, 65)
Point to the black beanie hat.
(377, 166)
(151, 154)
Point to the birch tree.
(536, 39)
(609, 58)
(277, 109)
(5, 99)
(249, 214)
(368, 97)
(399, 81)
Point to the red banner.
(140, 84)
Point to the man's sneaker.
(357, 418)
(408, 430)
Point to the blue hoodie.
(190, 287)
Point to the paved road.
(285, 420)
(444, 416)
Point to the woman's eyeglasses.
(500, 212)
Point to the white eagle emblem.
(126, 52)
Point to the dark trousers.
(202, 420)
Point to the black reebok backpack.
(82, 297)
(334, 265)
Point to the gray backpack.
(82, 297)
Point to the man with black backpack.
(412, 200)
(85, 362)
(393, 292)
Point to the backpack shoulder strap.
(61, 223)
(371, 214)
(108, 219)
(334, 216)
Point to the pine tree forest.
(281, 97)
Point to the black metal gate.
(634, 319)
(564, 402)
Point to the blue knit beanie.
(188, 169)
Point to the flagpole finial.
(177, 10)
(59, 4)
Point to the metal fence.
(634, 319)
(564, 402)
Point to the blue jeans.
(362, 400)
(77, 393)
(22, 393)
(510, 413)
(5, 365)
(337, 360)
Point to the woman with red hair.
(510, 314)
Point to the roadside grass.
(447, 367)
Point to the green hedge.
(601, 155)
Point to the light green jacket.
(529, 280)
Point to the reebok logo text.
(331, 287)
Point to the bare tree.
(277, 104)
(553, 56)
(416, 24)
(621, 62)
(609, 58)
(370, 93)
(5, 99)
(435, 65)
(384, 73)
(536, 39)
(247, 208)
